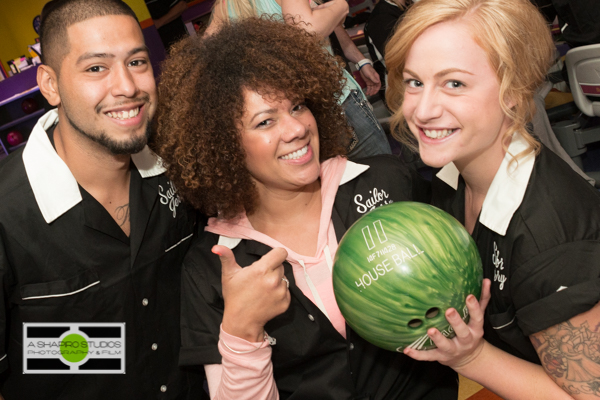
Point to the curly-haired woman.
(462, 75)
(252, 134)
(368, 137)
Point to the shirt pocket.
(173, 242)
(178, 236)
(60, 289)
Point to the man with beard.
(92, 234)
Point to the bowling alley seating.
(542, 127)
(583, 68)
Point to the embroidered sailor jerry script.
(169, 197)
(377, 196)
(499, 266)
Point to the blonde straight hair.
(241, 8)
(513, 34)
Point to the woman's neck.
(475, 193)
(478, 175)
(290, 217)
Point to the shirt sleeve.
(4, 270)
(201, 304)
(231, 375)
(242, 376)
(556, 285)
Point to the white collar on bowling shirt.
(55, 189)
(351, 171)
(507, 190)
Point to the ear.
(48, 83)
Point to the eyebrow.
(87, 56)
(441, 73)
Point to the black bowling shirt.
(311, 360)
(538, 235)
(64, 259)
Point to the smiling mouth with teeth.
(124, 114)
(296, 154)
(438, 133)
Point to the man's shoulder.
(13, 178)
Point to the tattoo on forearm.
(122, 214)
(571, 355)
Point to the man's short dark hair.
(58, 15)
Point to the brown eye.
(299, 107)
(137, 63)
(264, 123)
(96, 68)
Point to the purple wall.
(18, 83)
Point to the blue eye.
(454, 84)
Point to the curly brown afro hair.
(202, 102)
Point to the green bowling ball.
(399, 268)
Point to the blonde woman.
(462, 75)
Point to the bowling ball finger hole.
(432, 312)
(415, 323)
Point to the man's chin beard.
(131, 146)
